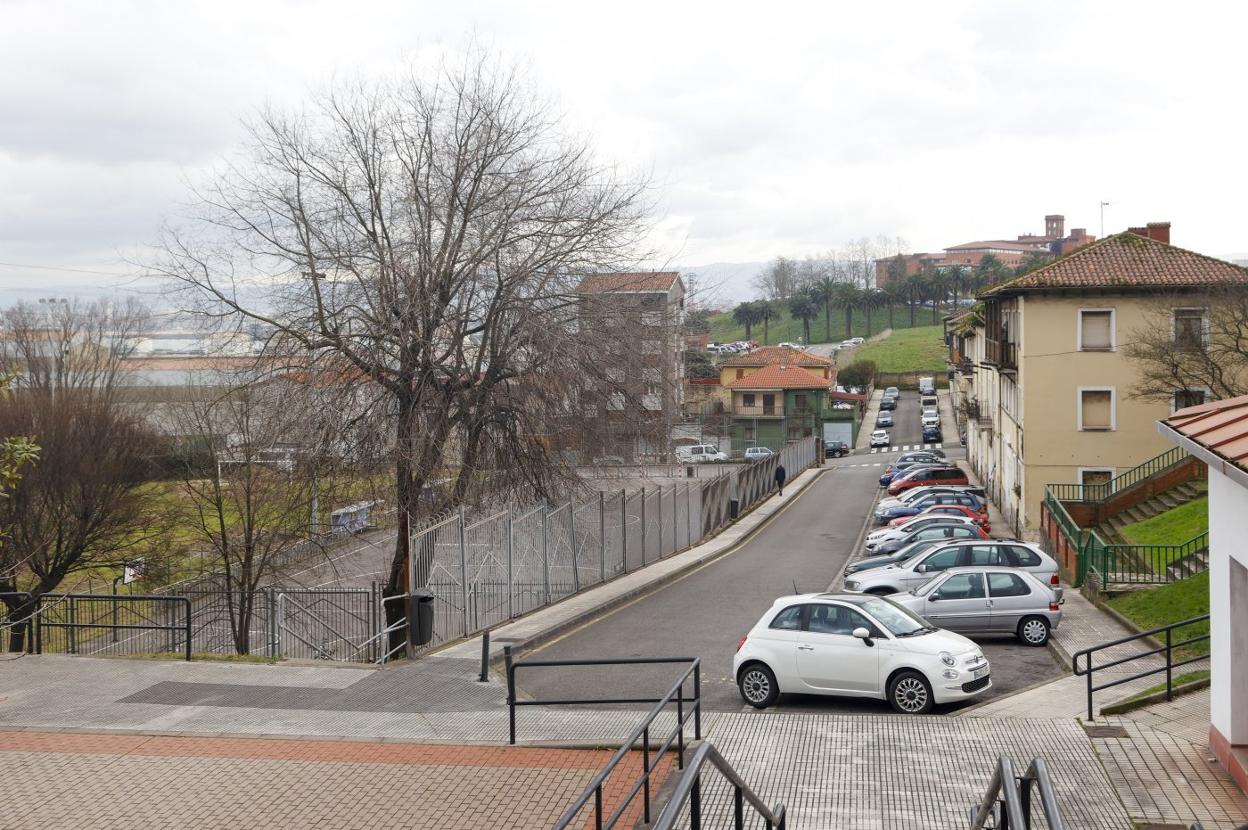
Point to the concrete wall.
(1228, 608)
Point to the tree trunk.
(849, 322)
(23, 609)
(748, 334)
(827, 322)
(911, 304)
(891, 308)
(867, 311)
(764, 331)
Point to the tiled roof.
(780, 377)
(1219, 426)
(629, 281)
(1126, 260)
(999, 244)
(777, 355)
(846, 396)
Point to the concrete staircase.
(1111, 529)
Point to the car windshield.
(897, 620)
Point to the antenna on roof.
(795, 587)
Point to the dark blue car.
(920, 504)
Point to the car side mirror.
(864, 635)
(934, 596)
(920, 569)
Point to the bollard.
(485, 657)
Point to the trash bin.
(689, 471)
(422, 616)
(734, 507)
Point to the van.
(700, 453)
(928, 401)
(927, 386)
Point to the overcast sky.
(771, 128)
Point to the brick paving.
(106, 781)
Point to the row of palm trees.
(932, 289)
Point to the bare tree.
(429, 233)
(778, 281)
(1193, 344)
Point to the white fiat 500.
(856, 645)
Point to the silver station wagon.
(988, 600)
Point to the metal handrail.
(1089, 669)
(676, 694)
(689, 789)
(1015, 793)
(1120, 482)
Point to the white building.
(1217, 433)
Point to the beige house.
(1040, 380)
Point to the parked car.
(987, 600)
(893, 392)
(909, 496)
(888, 403)
(928, 454)
(926, 501)
(884, 419)
(758, 453)
(880, 438)
(835, 449)
(608, 461)
(916, 570)
(699, 454)
(927, 401)
(930, 419)
(948, 532)
(979, 516)
(856, 646)
(928, 475)
(913, 525)
(900, 468)
(932, 433)
(787, 345)
(927, 386)
(900, 555)
(856, 341)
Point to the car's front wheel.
(910, 693)
(758, 686)
(1034, 631)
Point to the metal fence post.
(659, 502)
(675, 515)
(511, 568)
(624, 530)
(689, 513)
(602, 536)
(576, 577)
(643, 525)
(463, 569)
(545, 557)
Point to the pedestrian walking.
(781, 475)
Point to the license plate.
(980, 672)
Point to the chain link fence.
(487, 569)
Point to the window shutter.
(1096, 409)
(1096, 330)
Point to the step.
(1170, 499)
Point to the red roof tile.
(1220, 426)
(999, 244)
(776, 356)
(780, 377)
(1126, 260)
(629, 281)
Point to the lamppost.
(1103, 206)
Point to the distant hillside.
(784, 328)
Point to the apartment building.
(1039, 376)
(639, 317)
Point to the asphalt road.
(705, 613)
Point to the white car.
(856, 646)
(913, 572)
(889, 534)
(787, 345)
(758, 453)
(857, 341)
(880, 438)
(700, 453)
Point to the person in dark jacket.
(780, 477)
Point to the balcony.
(1001, 354)
(741, 411)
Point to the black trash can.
(421, 619)
(689, 471)
(734, 508)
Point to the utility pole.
(1103, 206)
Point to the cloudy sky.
(772, 128)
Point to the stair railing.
(1007, 800)
(689, 791)
(1120, 482)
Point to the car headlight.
(851, 585)
(947, 659)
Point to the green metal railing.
(1142, 564)
(1069, 529)
(1119, 483)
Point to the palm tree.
(823, 291)
(847, 299)
(894, 292)
(870, 300)
(914, 287)
(804, 306)
(746, 314)
(766, 313)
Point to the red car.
(925, 476)
(981, 519)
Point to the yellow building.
(742, 366)
(1041, 382)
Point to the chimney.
(1159, 231)
(1055, 225)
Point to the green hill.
(920, 349)
(784, 328)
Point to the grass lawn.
(1166, 604)
(1173, 527)
(919, 349)
(785, 328)
(1178, 680)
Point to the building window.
(801, 402)
(769, 404)
(1096, 330)
(747, 399)
(740, 374)
(1190, 328)
(1183, 398)
(1095, 475)
(1096, 409)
